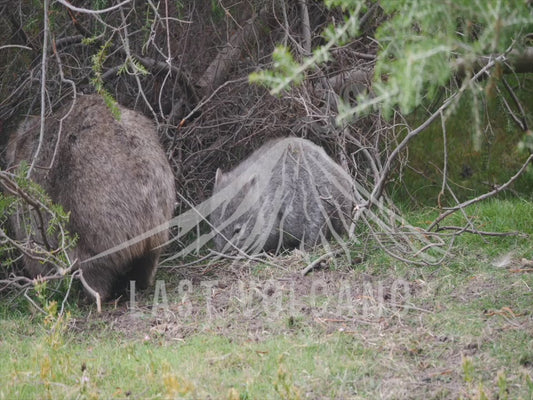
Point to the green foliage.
(98, 60)
(100, 4)
(503, 390)
(217, 11)
(421, 42)
(283, 384)
(89, 41)
(468, 369)
(137, 67)
(286, 70)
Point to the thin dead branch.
(522, 120)
(319, 260)
(306, 27)
(91, 291)
(481, 233)
(517, 62)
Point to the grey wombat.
(114, 179)
(289, 192)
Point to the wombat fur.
(114, 179)
(287, 193)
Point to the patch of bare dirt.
(257, 300)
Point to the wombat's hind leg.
(143, 269)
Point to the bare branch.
(43, 85)
(317, 262)
(67, 41)
(306, 27)
(445, 167)
(518, 61)
(216, 73)
(522, 121)
(94, 12)
(12, 187)
(91, 291)
(482, 233)
(15, 46)
(355, 81)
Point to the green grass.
(462, 330)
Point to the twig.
(522, 122)
(79, 27)
(129, 60)
(244, 256)
(32, 302)
(217, 71)
(72, 104)
(368, 16)
(91, 291)
(14, 281)
(204, 101)
(518, 61)
(483, 233)
(445, 167)
(65, 298)
(94, 12)
(315, 263)
(43, 85)
(67, 41)
(15, 46)
(306, 27)
(365, 56)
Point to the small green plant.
(175, 386)
(100, 4)
(478, 393)
(137, 67)
(468, 370)
(283, 384)
(217, 11)
(503, 390)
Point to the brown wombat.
(114, 179)
(289, 192)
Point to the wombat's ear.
(218, 176)
(252, 183)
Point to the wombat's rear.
(287, 193)
(114, 179)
